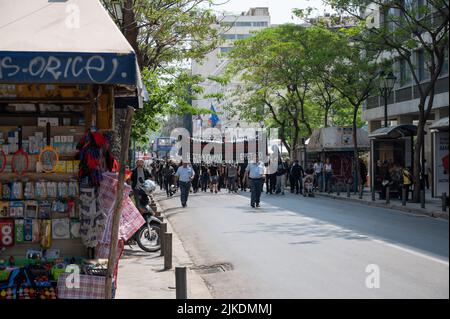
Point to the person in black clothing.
(204, 177)
(296, 175)
(196, 178)
(214, 177)
(168, 174)
(242, 181)
(138, 177)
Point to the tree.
(276, 67)
(408, 27)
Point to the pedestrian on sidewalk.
(296, 175)
(426, 173)
(214, 177)
(204, 177)
(407, 180)
(195, 180)
(242, 178)
(318, 169)
(138, 177)
(168, 173)
(328, 170)
(281, 177)
(231, 176)
(255, 173)
(184, 176)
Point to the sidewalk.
(141, 275)
(433, 206)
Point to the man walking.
(296, 178)
(281, 177)
(184, 175)
(255, 173)
(232, 175)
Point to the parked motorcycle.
(148, 236)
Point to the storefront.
(336, 144)
(439, 131)
(391, 150)
(58, 88)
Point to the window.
(391, 18)
(405, 74)
(242, 24)
(422, 67)
(260, 24)
(242, 36)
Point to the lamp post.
(387, 84)
(117, 8)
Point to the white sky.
(280, 10)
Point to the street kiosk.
(59, 75)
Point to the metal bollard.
(167, 251)
(373, 195)
(444, 202)
(161, 236)
(404, 196)
(388, 194)
(361, 193)
(348, 190)
(422, 199)
(180, 282)
(338, 190)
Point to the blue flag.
(213, 118)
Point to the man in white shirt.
(255, 172)
(184, 175)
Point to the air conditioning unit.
(372, 14)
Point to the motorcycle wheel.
(149, 241)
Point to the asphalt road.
(296, 247)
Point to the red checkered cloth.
(91, 287)
(131, 219)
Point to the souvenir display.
(6, 232)
(16, 190)
(4, 209)
(20, 161)
(45, 232)
(52, 189)
(29, 190)
(28, 229)
(19, 230)
(6, 191)
(92, 218)
(16, 209)
(59, 209)
(63, 190)
(49, 157)
(41, 190)
(61, 228)
(35, 231)
(72, 190)
(74, 228)
(31, 209)
(45, 208)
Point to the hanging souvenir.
(72, 189)
(63, 189)
(41, 190)
(19, 231)
(49, 157)
(4, 209)
(31, 209)
(6, 191)
(17, 190)
(74, 228)
(19, 162)
(29, 190)
(52, 190)
(45, 208)
(16, 209)
(45, 232)
(61, 228)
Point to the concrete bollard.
(404, 196)
(167, 251)
(388, 195)
(422, 199)
(444, 201)
(181, 282)
(161, 236)
(338, 190)
(348, 190)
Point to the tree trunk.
(325, 118)
(417, 155)
(355, 147)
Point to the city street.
(296, 247)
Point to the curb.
(197, 288)
(414, 211)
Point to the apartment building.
(235, 27)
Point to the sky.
(280, 10)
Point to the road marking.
(445, 263)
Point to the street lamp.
(117, 8)
(386, 86)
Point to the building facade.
(235, 27)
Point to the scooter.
(148, 236)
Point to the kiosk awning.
(336, 139)
(63, 41)
(440, 125)
(394, 132)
